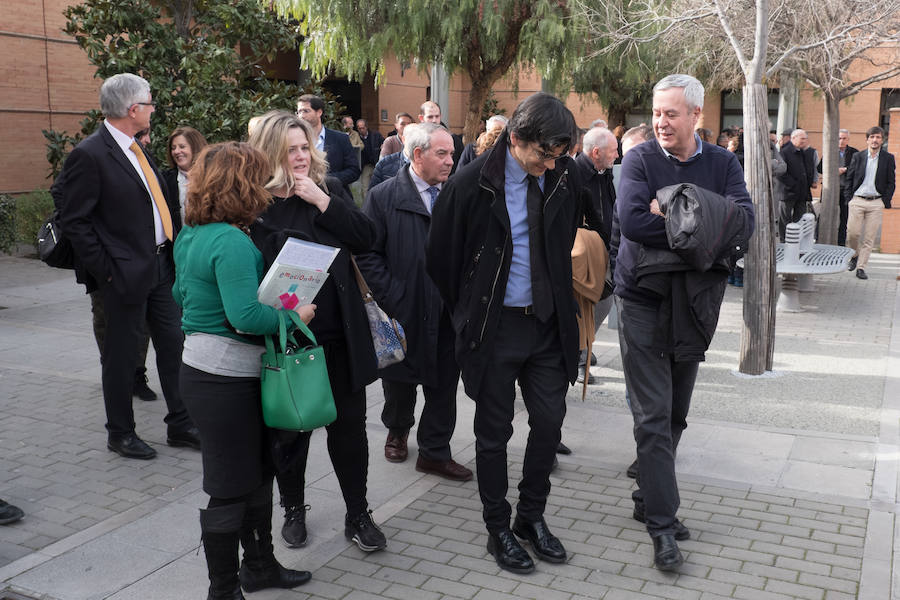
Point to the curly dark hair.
(227, 185)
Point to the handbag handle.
(282, 334)
(363, 286)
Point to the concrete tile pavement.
(789, 482)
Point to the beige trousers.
(863, 225)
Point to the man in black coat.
(845, 154)
(371, 152)
(395, 271)
(116, 216)
(600, 149)
(792, 188)
(499, 251)
(343, 162)
(872, 183)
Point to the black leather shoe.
(509, 553)
(189, 438)
(593, 359)
(681, 532)
(852, 264)
(546, 545)
(141, 389)
(861, 274)
(131, 446)
(666, 555)
(632, 470)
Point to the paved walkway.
(788, 481)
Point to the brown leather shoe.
(448, 470)
(395, 448)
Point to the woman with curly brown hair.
(218, 270)
(307, 204)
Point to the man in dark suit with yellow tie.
(116, 216)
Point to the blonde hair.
(270, 135)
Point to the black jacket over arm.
(793, 186)
(885, 174)
(469, 252)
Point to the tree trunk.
(829, 215)
(758, 331)
(480, 90)
(615, 116)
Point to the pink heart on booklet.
(289, 301)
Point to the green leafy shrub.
(32, 210)
(7, 222)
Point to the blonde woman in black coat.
(308, 205)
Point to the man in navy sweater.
(660, 385)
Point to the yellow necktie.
(158, 198)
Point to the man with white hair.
(661, 343)
(599, 151)
(395, 270)
(792, 188)
(117, 218)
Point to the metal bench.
(799, 256)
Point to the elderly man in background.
(395, 269)
(600, 149)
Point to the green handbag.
(296, 392)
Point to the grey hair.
(418, 135)
(798, 131)
(596, 138)
(496, 119)
(120, 92)
(598, 123)
(693, 89)
(847, 131)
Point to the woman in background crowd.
(183, 145)
(310, 206)
(218, 270)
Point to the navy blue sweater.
(646, 169)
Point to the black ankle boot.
(221, 527)
(259, 569)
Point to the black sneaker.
(142, 390)
(294, 530)
(363, 530)
(9, 513)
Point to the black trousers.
(439, 413)
(527, 350)
(348, 445)
(660, 395)
(99, 323)
(124, 331)
(844, 206)
(789, 212)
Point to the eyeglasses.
(153, 104)
(546, 156)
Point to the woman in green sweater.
(218, 270)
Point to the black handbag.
(53, 247)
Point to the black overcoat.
(395, 271)
(469, 251)
(343, 226)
